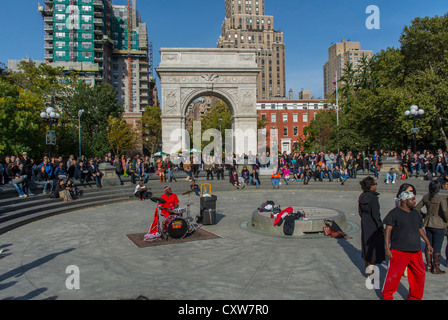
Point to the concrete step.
(74, 206)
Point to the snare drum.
(180, 212)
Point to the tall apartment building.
(103, 42)
(247, 27)
(338, 55)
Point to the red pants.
(416, 274)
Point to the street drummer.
(172, 202)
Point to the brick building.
(290, 117)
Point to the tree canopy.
(26, 94)
(373, 98)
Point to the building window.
(305, 117)
(285, 117)
(296, 131)
(295, 117)
(285, 131)
(273, 118)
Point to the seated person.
(44, 179)
(60, 172)
(375, 170)
(337, 172)
(342, 175)
(286, 173)
(71, 170)
(235, 181)
(326, 172)
(245, 174)
(298, 172)
(74, 192)
(275, 179)
(392, 175)
(318, 173)
(63, 191)
(11, 174)
(254, 178)
(81, 172)
(94, 173)
(307, 174)
(141, 191)
(172, 202)
(195, 188)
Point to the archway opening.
(213, 114)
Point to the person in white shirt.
(141, 191)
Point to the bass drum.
(177, 228)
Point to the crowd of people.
(23, 173)
(59, 177)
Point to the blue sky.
(309, 27)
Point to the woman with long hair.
(435, 222)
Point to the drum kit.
(178, 224)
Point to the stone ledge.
(262, 222)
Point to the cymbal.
(187, 192)
(157, 200)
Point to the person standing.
(435, 224)
(372, 230)
(404, 228)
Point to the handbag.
(18, 180)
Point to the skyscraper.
(247, 27)
(338, 55)
(103, 43)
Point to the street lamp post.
(414, 113)
(50, 116)
(79, 128)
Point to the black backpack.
(265, 204)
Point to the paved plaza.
(240, 265)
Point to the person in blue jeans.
(392, 175)
(254, 177)
(275, 179)
(439, 165)
(327, 173)
(44, 179)
(374, 169)
(10, 174)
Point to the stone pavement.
(241, 265)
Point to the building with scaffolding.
(104, 43)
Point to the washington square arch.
(228, 74)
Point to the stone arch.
(230, 74)
(224, 96)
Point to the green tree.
(99, 103)
(150, 127)
(373, 99)
(24, 95)
(320, 131)
(120, 135)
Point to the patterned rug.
(199, 234)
